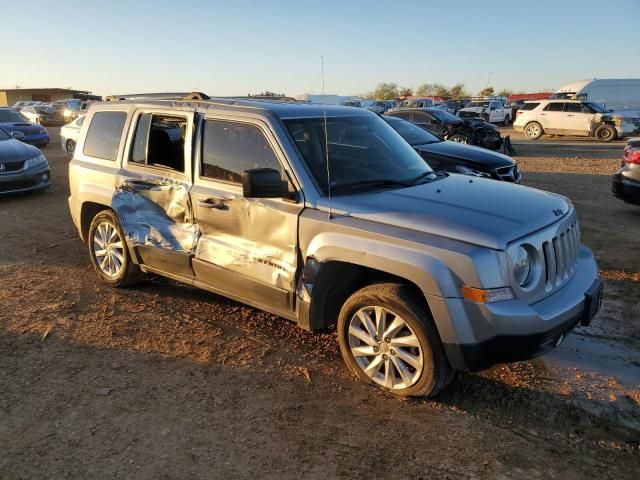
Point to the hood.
(28, 128)
(16, 151)
(465, 153)
(477, 211)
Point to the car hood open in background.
(16, 151)
(465, 153)
(479, 211)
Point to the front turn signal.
(480, 295)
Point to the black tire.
(606, 133)
(533, 130)
(506, 120)
(71, 148)
(130, 273)
(436, 371)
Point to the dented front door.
(247, 247)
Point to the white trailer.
(615, 94)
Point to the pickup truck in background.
(494, 110)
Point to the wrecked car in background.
(455, 157)
(574, 117)
(450, 127)
(69, 134)
(421, 272)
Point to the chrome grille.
(561, 255)
(11, 167)
(508, 174)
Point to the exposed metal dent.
(156, 213)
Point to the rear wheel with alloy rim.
(108, 251)
(388, 339)
(533, 130)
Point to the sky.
(240, 47)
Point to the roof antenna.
(326, 136)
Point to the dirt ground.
(162, 381)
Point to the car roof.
(280, 109)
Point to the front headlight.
(521, 266)
(36, 161)
(67, 113)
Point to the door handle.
(569, 115)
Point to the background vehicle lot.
(165, 381)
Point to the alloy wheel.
(108, 249)
(385, 348)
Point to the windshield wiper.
(372, 182)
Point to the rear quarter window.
(529, 106)
(103, 137)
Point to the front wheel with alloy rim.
(606, 133)
(71, 148)
(533, 130)
(388, 339)
(108, 251)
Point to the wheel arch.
(88, 211)
(340, 270)
(337, 280)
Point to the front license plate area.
(592, 302)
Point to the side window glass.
(139, 150)
(103, 137)
(159, 141)
(554, 107)
(229, 149)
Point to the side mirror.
(264, 183)
(17, 135)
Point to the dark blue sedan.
(13, 121)
(23, 168)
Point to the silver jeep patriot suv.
(421, 273)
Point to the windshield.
(4, 135)
(12, 116)
(413, 134)
(478, 104)
(443, 115)
(361, 149)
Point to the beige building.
(8, 97)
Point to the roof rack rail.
(159, 96)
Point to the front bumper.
(31, 180)
(37, 139)
(627, 129)
(478, 335)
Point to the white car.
(493, 111)
(69, 136)
(573, 117)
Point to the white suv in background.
(573, 117)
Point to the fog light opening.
(45, 177)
